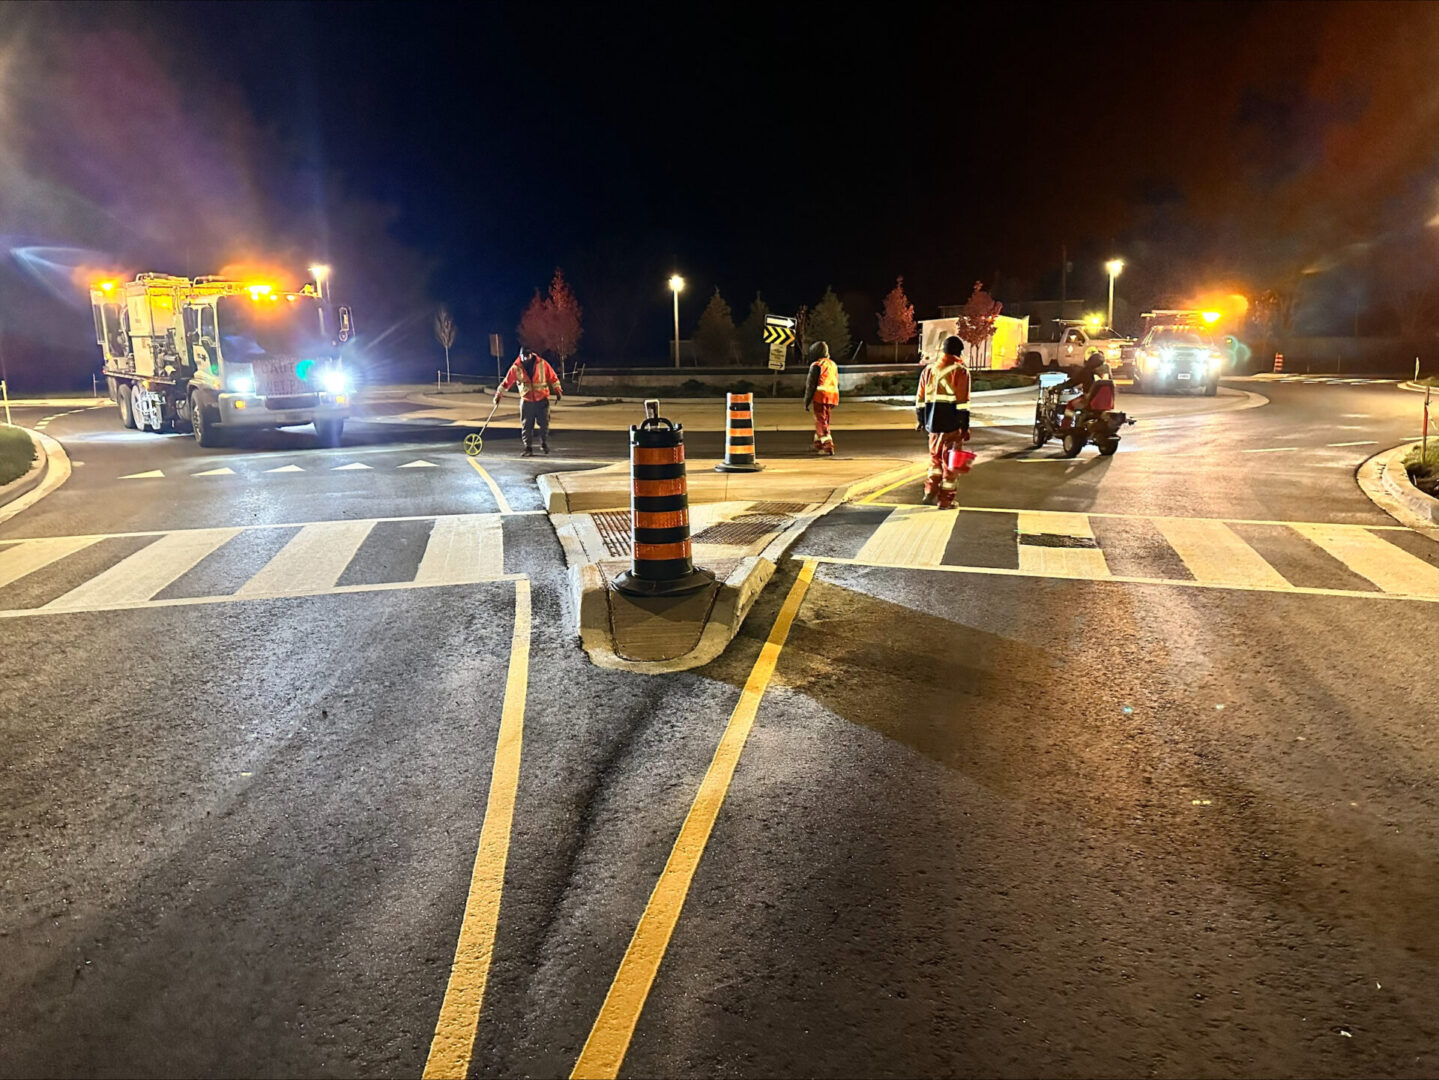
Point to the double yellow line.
(609, 1040)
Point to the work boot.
(545, 446)
(930, 497)
(527, 452)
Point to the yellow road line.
(908, 478)
(454, 1040)
(999, 571)
(494, 487)
(609, 1039)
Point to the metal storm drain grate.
(1057, 540)
(745, 529)
(776, 508)
(614, 530)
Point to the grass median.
(17, 453)
(1424, 468)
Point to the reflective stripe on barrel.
(739, 430)
(659, 505)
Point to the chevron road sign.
(778, 330)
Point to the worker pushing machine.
(821, 389)
(941, 405)
(533, 377)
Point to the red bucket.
(959, 460)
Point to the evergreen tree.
(715, 334)
(753, 350)
(829, 322)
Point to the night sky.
(458, 154)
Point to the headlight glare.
(334, 382)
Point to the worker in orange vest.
(533, 377)
(821, 389)
(941, 405)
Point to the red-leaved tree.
(564, 319)
(975, 325)
(896, 321)
(534, 329)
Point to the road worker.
(941, 406)
(535, 380)
(821, 389)
(1083, 380)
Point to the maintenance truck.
(212, 355)
(1178, 352)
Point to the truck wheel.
(126, 407)
(1032, 362)
(1211, 388)
(329, 431)
(1073, 443)
(201, 425)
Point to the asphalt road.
(1121, 821)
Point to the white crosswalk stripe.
(911, 535)
(30, 555)
(1077, 562)
(1212, 552)
(467, 547)
(1064, 545)
(461, 549)
(1391, 568)
(145, 573)
(312, 561)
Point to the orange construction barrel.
(739, 453)
(661, 560)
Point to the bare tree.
(445, 335)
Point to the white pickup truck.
(1069, 342)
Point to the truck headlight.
(240, 383)
(335, 382)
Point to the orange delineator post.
(739, 455)
(661, 562)
(1278, 363)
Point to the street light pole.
(1114, 266)
(676, 284)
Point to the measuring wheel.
(474, 444)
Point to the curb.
(1417, 388)
(1384, 479)
(52, 470)
(736, 595)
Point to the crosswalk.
(69, 574)
(1379, 561)
(1321, 380)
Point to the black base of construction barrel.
(694, 581)
(725, 466)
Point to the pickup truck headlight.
(335, 381)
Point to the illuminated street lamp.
(1113, 266)
(322, 276)
(676, 284)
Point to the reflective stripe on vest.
(939, 387)
(827, 391)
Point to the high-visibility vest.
(945, 380)
(826, 392)
(537, 388)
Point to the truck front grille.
(296, 401)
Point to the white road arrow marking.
(418, 465)
(351, 465)
(286, 468)
(223, 470)
(143, 475)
